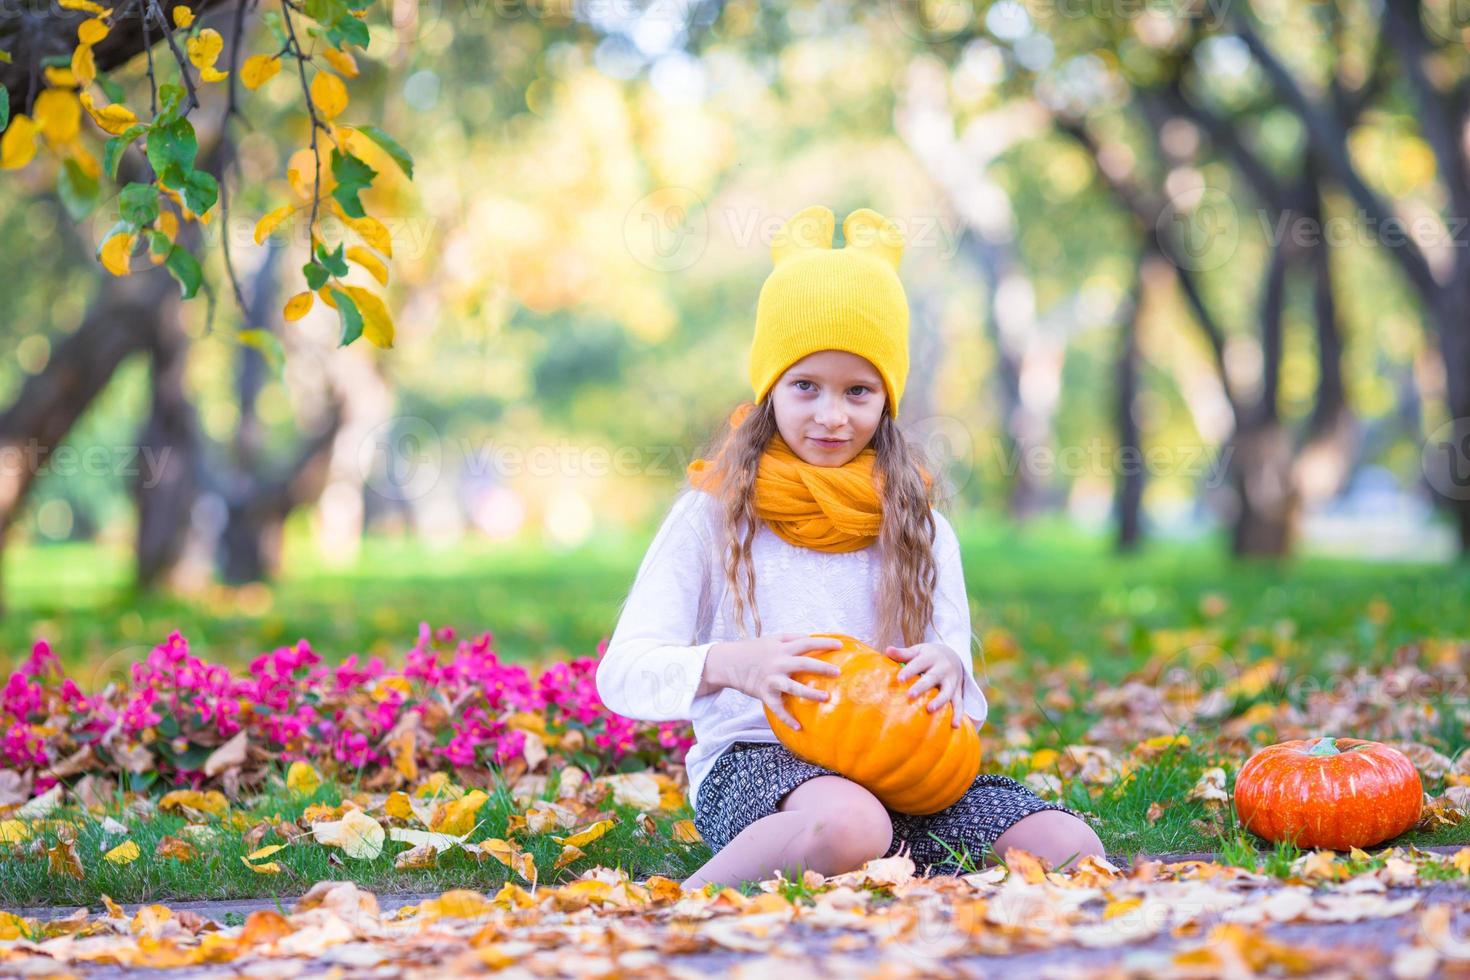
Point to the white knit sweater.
(680, 606)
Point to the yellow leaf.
(183, 16)
(686, 833)
(114, 119)
(114, 910)
(301, 778)
(587, 835)
(269, 868)
(115, 253)
(87, 5)
(371, 230)
(341, 60)
(371, 263)
(59, 114)
(377, 323)
(404, 751)
(84, 64)
(398, 807)
(359, 835)
(329, 95)
(297, 306)
(438, 784)
(16, 831)
(258, 69)
(92, 30)
(212, 74)
(168, 223)
(268, 224)
(175, 848)
(212, 802)
(59, 77)
(569, 853)
(326, 294)
(125, 853)
(204, 49)
(264, 852)
(1119, 907)
(458, 903)
(18, 145)
(456, 817)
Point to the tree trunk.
(1130, 477)
(123, 319)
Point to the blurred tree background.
(1188, 279)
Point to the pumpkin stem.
(1326, 745)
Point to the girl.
(813, 516)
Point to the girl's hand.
(762, 668)
(940, 667)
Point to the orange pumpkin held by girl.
(868, 730)
(1336, 793)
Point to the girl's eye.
(800, 383)
(859, 390)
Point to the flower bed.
(453, 705)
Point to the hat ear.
(867, 231)
(809, 229)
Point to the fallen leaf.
(359, 835)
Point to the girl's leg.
(827, 824)
(1053, 835)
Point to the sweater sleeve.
(951, 624)
(652, 667)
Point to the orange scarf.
(825, 508)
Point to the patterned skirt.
(750, 779)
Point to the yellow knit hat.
(821, 298)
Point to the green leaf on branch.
(185, 268)
(170, 97)
(390, 146)
(77, 189)
(112, 152)
(353, 176)
(200, 190)
(334, 261)
(351, 317)
(316, 274)
(348, 30)
(158, 242)
(171, 151)
(138, 203)
(4, 107)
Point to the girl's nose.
(830, 413)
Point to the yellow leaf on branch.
(87, 5)
(115, 253)
(258, 69)
(92, 30)
(113, 119)
(183, 16)
(341, 60)
(329, 95)
(377, 322)
(371, 263)
(204, 49)
(18, 145)
(84, 64)
(59, 114)
(297, 306)
(268, 224)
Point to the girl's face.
(828, 405)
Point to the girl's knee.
(848, 825)
(1059, 838)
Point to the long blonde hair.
(909, 573)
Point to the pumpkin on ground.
(868, 730)
(1336, 793)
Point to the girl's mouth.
(829, 443)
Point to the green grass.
(1063, 596)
